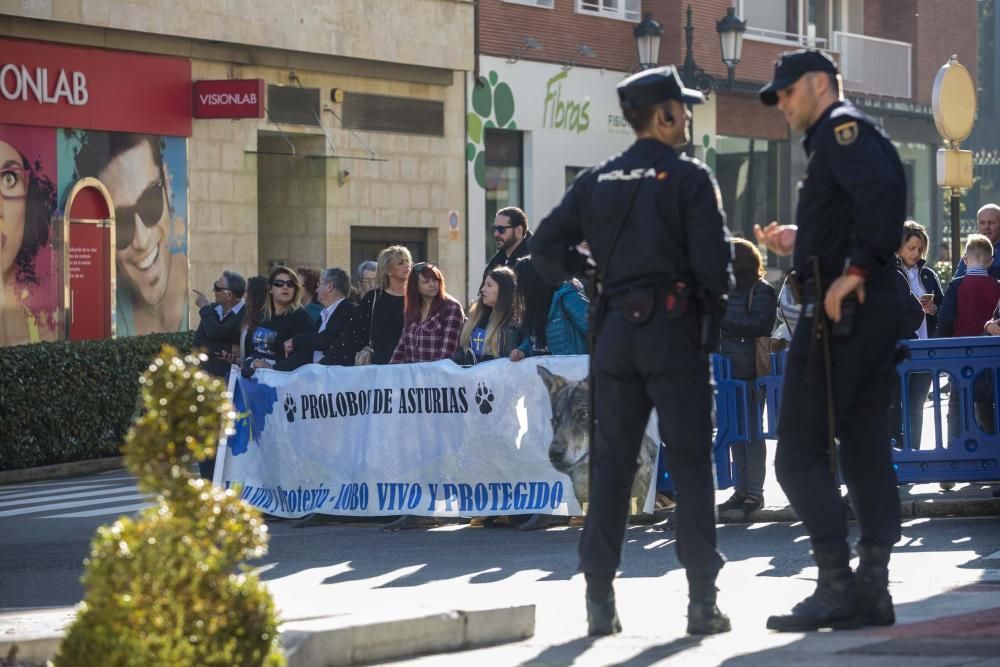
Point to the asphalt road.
(45, 530)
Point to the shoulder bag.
(763, 346)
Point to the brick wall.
(560, 31)
(742, 115)
(943, 29)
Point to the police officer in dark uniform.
(656, 231)
(851, 208)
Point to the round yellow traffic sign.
(953, 101)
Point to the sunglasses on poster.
(282, 283)
(13, 182)
(149, 208)
(420, 266)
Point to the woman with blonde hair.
(284, 317)
(491, 330)
(377, 324)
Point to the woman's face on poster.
(139, 192)
(13, 199)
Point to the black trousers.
(862, 375)
(638, 368)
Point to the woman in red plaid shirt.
(432, 319)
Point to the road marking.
(35, 496)
(69, 505)
(81, 480)
(124, 509)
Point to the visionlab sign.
(55, 85)
(236, 98)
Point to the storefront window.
(749, 175)
(504, 177)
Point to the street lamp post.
(731, 29)
(647, 41)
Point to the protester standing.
(432, 319)
(284, 318)
(749, 315)
(491, 330)
(377, 323)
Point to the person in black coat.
(284, 318)
(219, 329)
(923, 284)
(749, 315)
(308, 348)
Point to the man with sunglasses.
(221, 322)
(510, 231)
(152, 277)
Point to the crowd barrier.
(961, 373)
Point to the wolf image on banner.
(569, 451)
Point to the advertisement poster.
(29, 297)
(146, 176)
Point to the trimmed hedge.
(72, 401)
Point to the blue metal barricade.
(966, 432)
(732, 421)
(970, 448)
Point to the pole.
(956, 227)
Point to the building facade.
(335, 129)
(889, 52)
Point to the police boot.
(872, 580)
(704, 617)
(834, 603)
(602, 615)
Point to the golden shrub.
(167, 590)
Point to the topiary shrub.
(164, 590)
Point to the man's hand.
(516, 355)
(993, 328)
(841, 288)
(201, 300)
(779, 239)
(289, 347)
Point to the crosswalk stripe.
(69, 489)
(69, 504)
(66, 496)
(123, 509)
(101, 479)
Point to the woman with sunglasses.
(491, 330)
(378, 320)
(284, 317)
(27, 199)
(432, 319)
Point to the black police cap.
(790, 66)
(654, 86)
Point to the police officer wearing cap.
(656, 232)
(851, 209)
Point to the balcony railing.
(791, 38)
(874, 66)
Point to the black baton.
(821, 332)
